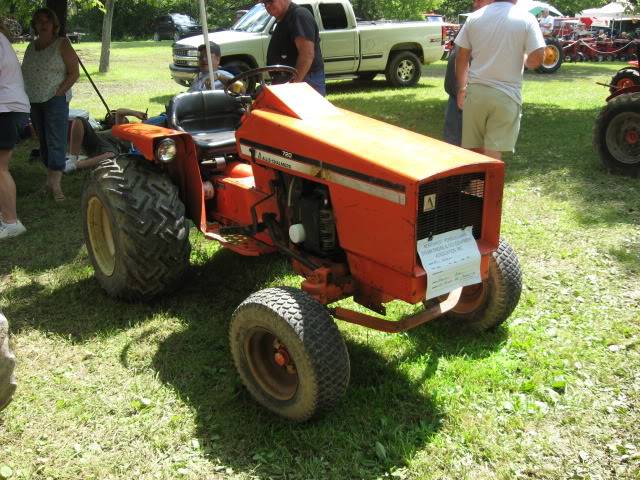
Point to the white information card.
(451, 260)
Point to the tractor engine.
(312, 224)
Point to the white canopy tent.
(611, 11)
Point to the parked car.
(175, 26)
(349, 48)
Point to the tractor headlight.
(166, 150)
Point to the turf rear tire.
(490, 303)
(616, 134)
(403, 69)
(553, 56)
(134, 228)
(7, 365)
(289, 353)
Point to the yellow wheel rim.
(551, 56)
(101, 236)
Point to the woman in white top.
(14, 110)
(50, 68)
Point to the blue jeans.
(316, 80)
(51, 121)
(453, 122)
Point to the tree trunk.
(106, 36)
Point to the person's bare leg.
(54, 179)
(7, 189)
(93, 161)
(77, 134)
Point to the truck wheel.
(488, 304)
(176, 36)
(403, 70)
(627, 77)
(134, 228)
(553, 56)
(289, 353)
(7, 365)
(616, 134)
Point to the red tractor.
(363, 209)
(616, 134)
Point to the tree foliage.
(393, 9)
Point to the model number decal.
(286, 154)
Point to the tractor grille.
(181, 63)
(450, 203)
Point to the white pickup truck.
(349, 48)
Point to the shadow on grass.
(362, 86)
(382, 405)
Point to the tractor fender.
(183, 170)
(622, 91)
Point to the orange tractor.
(616, 134)
(363, 209)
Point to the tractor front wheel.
(553, 56)
(403, 69)
(134, 228)
(616, 134)
(289, 353)
(488, 304)
(7, 365)
(627, 77)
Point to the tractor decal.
(375, 186)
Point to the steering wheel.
(289, 73)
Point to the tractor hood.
(295, 121)
(389, 187)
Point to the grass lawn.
(115, 390)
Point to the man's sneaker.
(10, 230)
(70, 165)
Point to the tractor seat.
(211, 117)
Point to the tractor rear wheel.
(553, 56)
(616, 134)
(7, 365)
(488, 304)
(627, 77)
(289, 353)
(134, 229)
(403, 69)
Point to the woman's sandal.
(58, 196)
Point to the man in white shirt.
(494, 45)
(546, 23)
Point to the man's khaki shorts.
(490, 119)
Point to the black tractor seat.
(211, 117)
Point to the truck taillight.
(443, 35)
